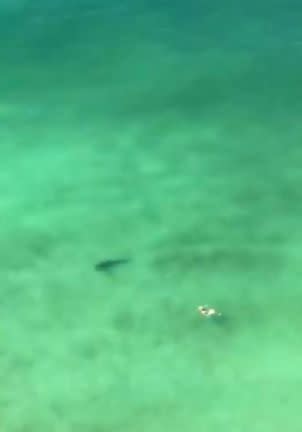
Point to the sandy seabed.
(193, 172)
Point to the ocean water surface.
(166, 134)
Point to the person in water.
(208, 312)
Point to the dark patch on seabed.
(216, 258)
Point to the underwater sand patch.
(216, 258)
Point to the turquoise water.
(168, 134)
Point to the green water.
(170, 134)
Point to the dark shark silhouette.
(109, 265)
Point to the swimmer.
(208, 311)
